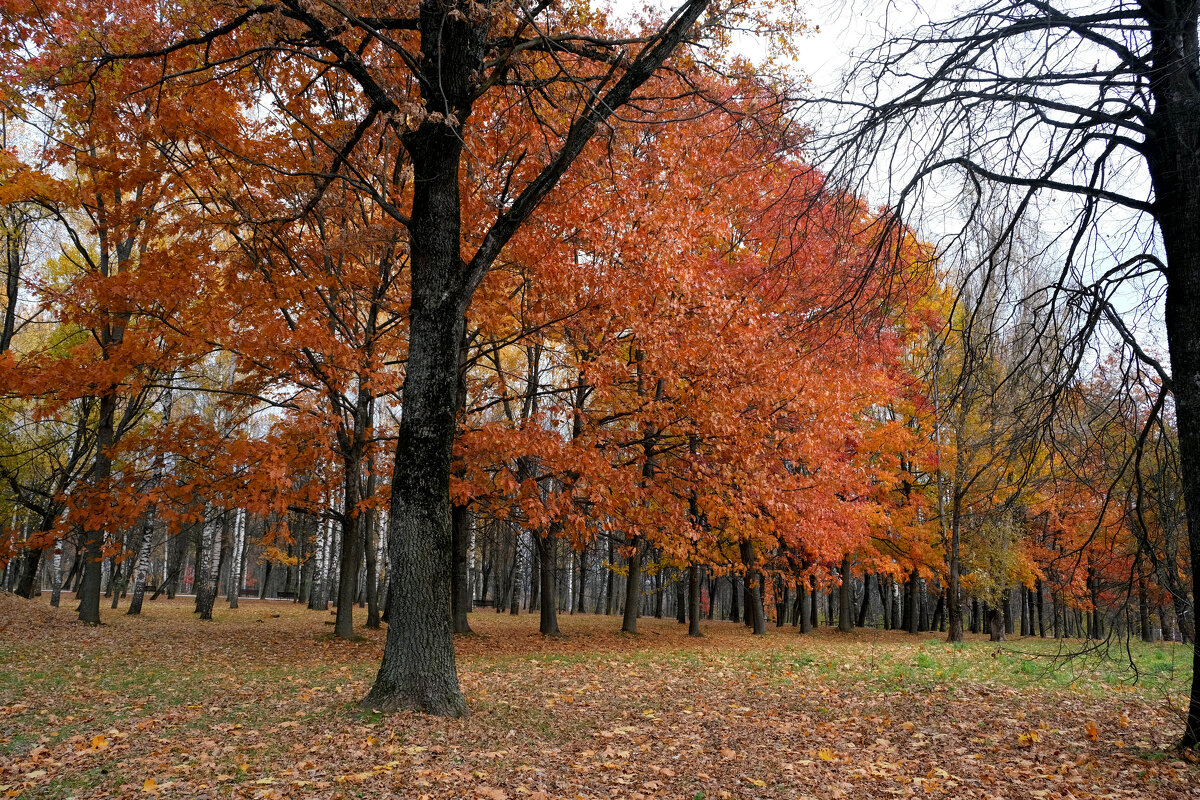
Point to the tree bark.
(1172, 151)
(996, 624)
(694, 600)
(93, 539)
(418, 669)
(460, 597)
(912, 610)
(804, 598)
(845, 608)
(208, 566)
(633, 587)
(29, 569)
(865, 609)
(548, 590)
(754, 605)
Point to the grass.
(262, 703)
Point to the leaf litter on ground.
(262, 703)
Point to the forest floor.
(262, 703)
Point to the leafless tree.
(1086, 117)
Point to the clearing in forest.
(262, 703)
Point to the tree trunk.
(1143, 610)
(845, 607)
(208, 566)
(460, 589)
(142, 567)
(681, 599)
(922, 607)
(56, 575)
(658, 592)
(29, 570)
(175, 567)
(418, 671)
(547, 547)
(754, 604)
(912, 611)
(1040, 591)
(93, 539)
(352, 518)
(694, 600)
(804, 601)
(996, 625)
(781, 604)
(608, 585)
(238, 561)
(1172, 150)
(633, 587)
(582, 587)
(865, 608)
(514, 577)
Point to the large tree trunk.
(1173, 157)
(633, 587)
(694, 600)
(845, 609)
(418, 670)
(548, 590)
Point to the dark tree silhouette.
(1086, 120)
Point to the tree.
(420, 76)
(1096, 110)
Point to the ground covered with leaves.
(262, 703)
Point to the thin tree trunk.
(56, 575)
(460, 589)
(865, 608)
(208, 566)
(93, 538)
(608, 586)
(238, 561)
